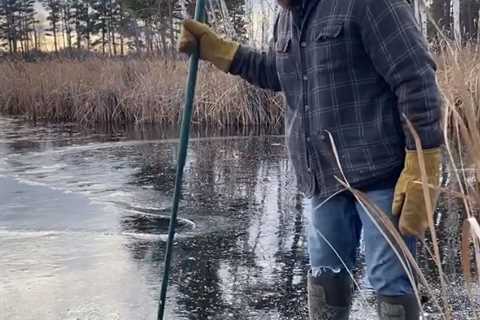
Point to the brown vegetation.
(130, 91)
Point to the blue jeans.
(340, 221)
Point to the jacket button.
(323, 137)
(303, 44)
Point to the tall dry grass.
(131, 90)
(460, 80)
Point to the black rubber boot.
(329, 296)
(398, 308)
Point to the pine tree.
(145, 11)
(54, 9)
(27, 22)
(17, 20)
(128, 30)
(9, 24)
(68, 20)
(85, 25)
(115, 20)
(3, 21)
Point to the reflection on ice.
(84, 217)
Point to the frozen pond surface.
(84, 217)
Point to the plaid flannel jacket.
(349, 69)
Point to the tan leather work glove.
(218, 51)
(409, 200)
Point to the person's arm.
(400, 54)
(258, 68)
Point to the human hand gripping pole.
(182, 155)
(196, 35)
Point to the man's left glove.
(409, 200)
(212, 48)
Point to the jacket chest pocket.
(329, 44)
(285, 59)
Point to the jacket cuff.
(236, 66)
(430, 138)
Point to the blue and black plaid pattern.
(349, 69)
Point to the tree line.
(114, 27)
(111, 27)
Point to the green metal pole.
(182, 155)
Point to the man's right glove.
(218, 51)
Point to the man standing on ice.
(349, 70)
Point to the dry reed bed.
(131, 90)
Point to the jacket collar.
(302, 12)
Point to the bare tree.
(457, 31)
